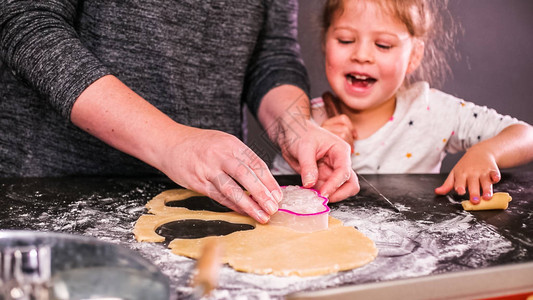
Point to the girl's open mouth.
(357, 80)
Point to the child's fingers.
(354, 134)
(495, 176)
(473, 189)
(345, 121)
(460, 184)
(486, 187)
(343, 132)
(447, 186)
(338, 120)
(342, 127)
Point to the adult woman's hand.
(207, 161)
(214, 163)
(322, 159)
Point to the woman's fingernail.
(309, 180)
(262, 216)
(475, 199)
(278, 195)
(271, 206)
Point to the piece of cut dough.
(301, 209)
(266, 249)
(498, 201)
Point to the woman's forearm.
(284, 110)
(113, 113)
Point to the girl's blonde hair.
(425, 20)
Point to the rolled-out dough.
(498, 201)
(267, 249)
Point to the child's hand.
(338, 124)
(342, 127)
(476, 170)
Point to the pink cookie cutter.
(303, 222)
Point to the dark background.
(494, 68)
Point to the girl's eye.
(383, 46)
(342, 41)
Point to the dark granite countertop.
(419, 235)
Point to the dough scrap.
(498, 201)
(267, 249)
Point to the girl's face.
(368, 53)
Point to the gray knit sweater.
(198, 61)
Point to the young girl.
(373, 50)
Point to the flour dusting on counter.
(410, 243)
(406, 248)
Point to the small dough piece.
(498, 201)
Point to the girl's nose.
(362, 53)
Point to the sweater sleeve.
(39, 43)
(276, 59)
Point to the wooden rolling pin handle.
(208, 267)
